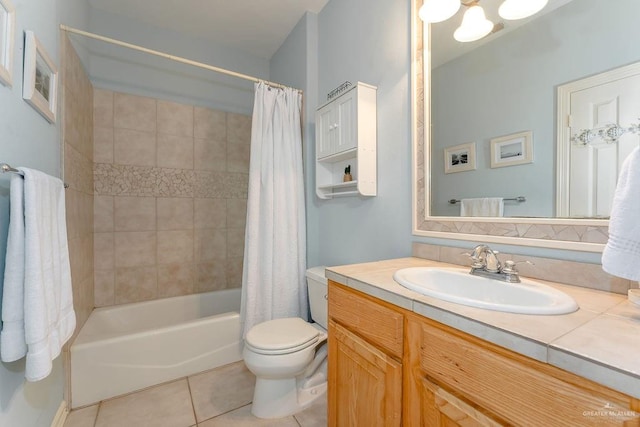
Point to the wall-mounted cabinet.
(346, 136)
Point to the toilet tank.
(317, 286)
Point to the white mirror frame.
(589, 235)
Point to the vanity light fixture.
(475, 24)
(520, 9)
(433, 11)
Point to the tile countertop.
(600, 341)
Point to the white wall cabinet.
(346, 135)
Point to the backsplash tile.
(171, 196)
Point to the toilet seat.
(281, 336)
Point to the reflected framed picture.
(7, 31)
(40, 80)
(511, 150)
(460, 158)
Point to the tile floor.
(220, 397)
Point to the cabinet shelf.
(353, 152)
(346, 138)
(340, 189)
(339, 185)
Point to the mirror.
(492, 94)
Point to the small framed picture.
(511, 150)
(460, 158)
(40, 80)
(7, 31)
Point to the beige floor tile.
(221, 390)
(242, 417)
(168, 405)
(85, 417)
(315, 415)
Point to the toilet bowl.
(289, 356)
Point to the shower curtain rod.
(171, 57)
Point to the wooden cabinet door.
(442, 409)
(365, 384)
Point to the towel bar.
(7, 168)
(519, 199)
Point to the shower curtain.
(273, 279)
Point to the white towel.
(49, 319)
(621, 255)
(12, 341)
(485, 206)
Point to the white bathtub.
(128, 347)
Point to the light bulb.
(438, 10)
(519, 9)
(475, 25)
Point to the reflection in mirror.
(506, 86)
(601, 127)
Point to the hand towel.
(621, 255)
(12, 341)
(485, 206)
(49, 318)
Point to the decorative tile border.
(149, 181)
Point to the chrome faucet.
(486, 264)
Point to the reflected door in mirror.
(595, 164)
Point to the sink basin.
(458, 286)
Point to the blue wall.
(366, 41)
(295, 64)
(369, 41)
(124, 70)
(26, 139)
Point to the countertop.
(600, 341)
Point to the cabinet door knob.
(330, 127)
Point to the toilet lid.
(281, 336)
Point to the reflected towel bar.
(519, 199)
(7, 168)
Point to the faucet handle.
(478, 262)
(510, 266)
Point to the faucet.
(486, 264)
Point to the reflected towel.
(484, 206)
(621, 255)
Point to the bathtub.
(128, 347)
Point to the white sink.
(458, 286)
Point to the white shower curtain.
(273, 279)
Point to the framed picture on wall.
(460, 158)
(7, 31)
(511, 150)
(40, 80)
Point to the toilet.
(289, 356)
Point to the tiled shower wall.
(170, 198)
(77, 101)
(76, 104)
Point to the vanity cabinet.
(365, 360)
(462, 380)
(346, 136)
(389, 367)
